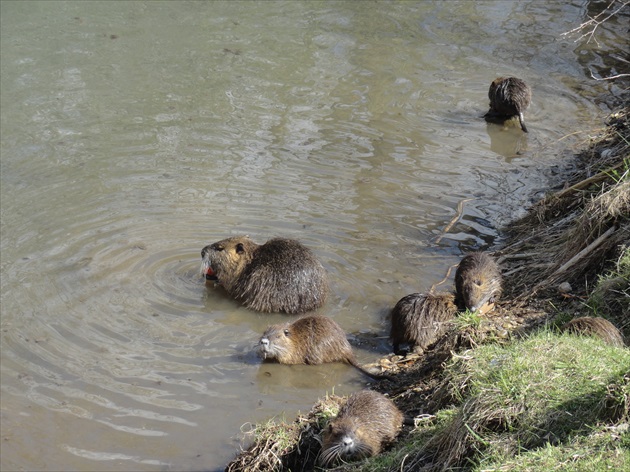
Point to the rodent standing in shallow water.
(509, 97)
(420, 319)
(596, 326)
(281, 275)
(477, 282)
(309, 340)
(366, 423)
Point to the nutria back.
(509, 97)
(365, 424)
(596, 326)
(310, 340)
(420, 319)
(477, 282)
(281, 275)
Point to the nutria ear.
(239, 248)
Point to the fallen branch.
(460, 210)
(584, 252)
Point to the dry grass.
(282, 446)
(569, 235)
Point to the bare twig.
(460, 209)
(612, 77)
(596, 22)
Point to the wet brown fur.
(309, 340)
(509, 97)
(366, 423)
(596, 326)
(280, 275)
(477, 282)
(420, 319)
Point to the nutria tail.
(364, 371)
(521, 120)
(595, 326)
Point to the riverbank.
(563, 400)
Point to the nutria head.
(346, 439)
(366, 422)
(278, 342)
(224, 261)
(478, 282)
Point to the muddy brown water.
(135, 133)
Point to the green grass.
(521, 397)
(611, 296)
(547, 403)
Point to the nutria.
(595, 326)
(420, 319)
(509, 97)
(477, 282)
(365, 423)
(309, 340)
(280, 275)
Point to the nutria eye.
(286, 332)
(239, 248)
(477, 282)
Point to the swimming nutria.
(420, 319)
(309, 340)
(281, 275)
(509, 97)
(477, 282)
(595, 326)
(365, 423)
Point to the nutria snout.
(420, 319)
(366, 423)
(477, 282)
(309, 340)
(509, 97)
(280, 275)
(595, 326)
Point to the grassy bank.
(510, 391)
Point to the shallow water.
(135, 133)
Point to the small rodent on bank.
(281, 275)
(365, 424)
(309, 340)
(596, 326)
